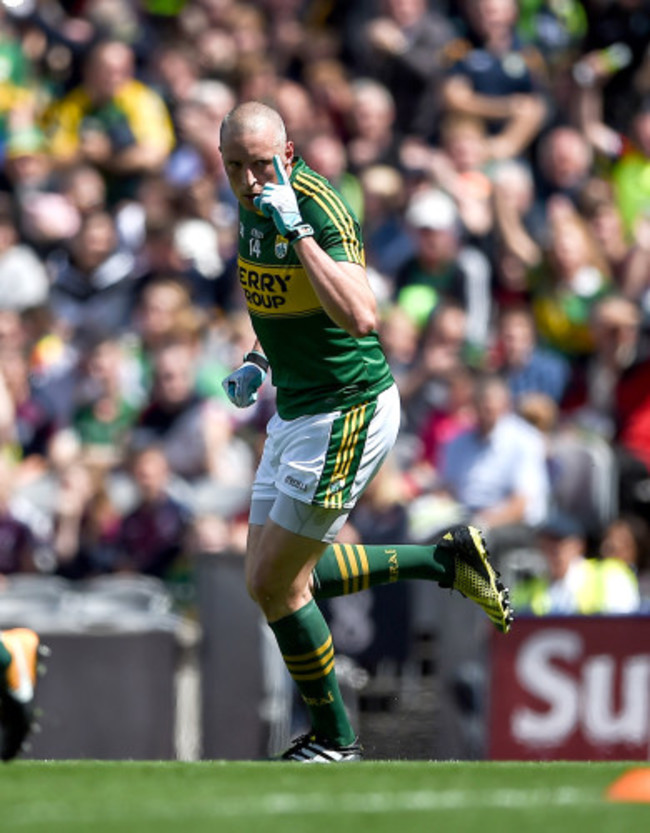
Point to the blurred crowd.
(497, 154)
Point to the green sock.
(306, 644)
(348, 568)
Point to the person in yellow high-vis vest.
(575, 584)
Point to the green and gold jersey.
(316, 365)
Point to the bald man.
(301, 268)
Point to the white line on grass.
(415, 801)
(301, 804)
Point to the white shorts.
(323, 461)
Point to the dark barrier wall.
(108, 697)
(231, 666)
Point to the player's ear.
(289, 150)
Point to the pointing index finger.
(280, 170)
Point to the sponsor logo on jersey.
(277, 290)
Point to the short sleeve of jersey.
(338, 232)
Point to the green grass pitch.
(382, 797)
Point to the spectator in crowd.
(632, 414)
(164, 313)
(401, 47)
(37, 493)
(609, 396)
(565, 287)
(493, 76)
(27, 417)
(291, 36)
(170, 248)
(497, 470)
(453, 415)
(628, 257)
(13, 331)
(92, 278)
(161, 304)
(43, 215)
(16, 540)
(174, 417)
(112, 121)
(630, 171)
(86, 523)
(194, 432)
(388, 243)
(613, 63)
(153, 207)
(462, 171)
(326, 154)
(519, 230)
(443, 268)
(19, 95)
(442, 351)
(564, 164)
(371, 125)
(296, 104)
(615, 325)
(196, 239)
(174, 73)
(459, 167)
(541, 411)
(557, 30)
(628, 152)
(153, 537)
(400, 340)
(85, 189)
(576, 584)
(328, 86)
(103, 415)
(197, 150)
(627, 537)
(527, 367)
(24, 281)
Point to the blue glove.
(241, 385)
(278, 201)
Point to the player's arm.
(341, 287)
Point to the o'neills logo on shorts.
(295, 483)
(285, 291)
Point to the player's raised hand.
(278, 201)
(280, 170)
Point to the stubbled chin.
(249, 205)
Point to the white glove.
(241, 385)
(278, 201)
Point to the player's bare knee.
(276, 598)
(263, 586)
